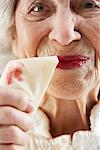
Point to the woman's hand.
(15, 119)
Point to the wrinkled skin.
(44, 35)
(59, 28)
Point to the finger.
(12, 116)
(11, 147)
(16, 98)
(13, 135)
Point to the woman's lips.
(71, 61)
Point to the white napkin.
(32, 75)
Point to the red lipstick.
(71, 61)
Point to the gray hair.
(7, 8)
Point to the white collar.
(82, 140)
(42, 127)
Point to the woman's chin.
(70, 84)
(68, 93)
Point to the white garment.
(41, 138)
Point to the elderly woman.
(69, 29)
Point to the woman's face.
(68, 28)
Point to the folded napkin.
(32, 75)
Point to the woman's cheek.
(44, 48)
(90, 28)
(30, 39)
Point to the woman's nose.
(64, 29)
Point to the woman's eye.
(39, 11)
(87, 4)
(39, 8)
